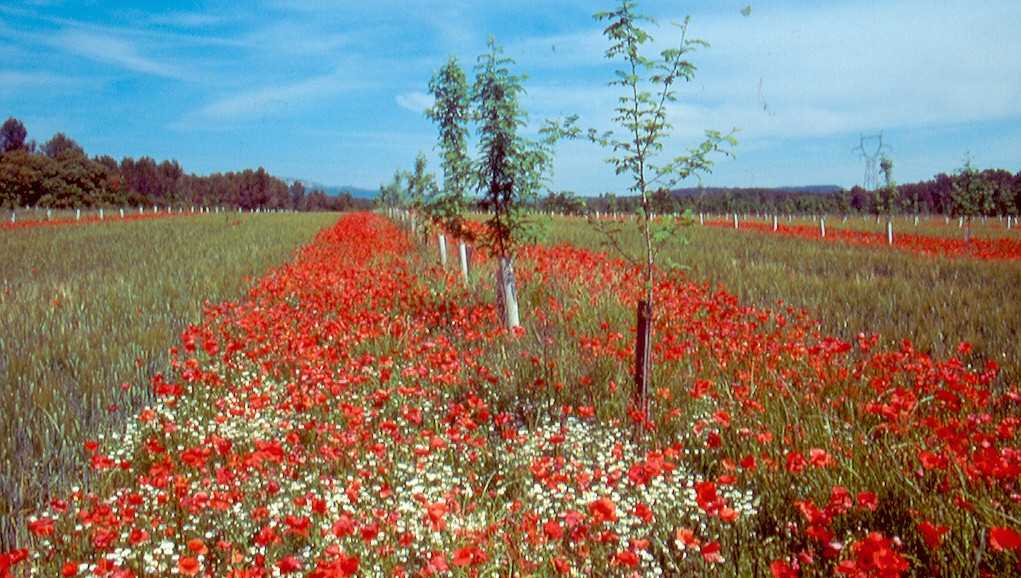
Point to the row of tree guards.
(506, 289)
(155, 210)
(1008, 221)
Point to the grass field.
(84, 309)
(362, 411)
(935, 302)
(928, 225)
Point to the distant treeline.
(995, 192)
(59, 174)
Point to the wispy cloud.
(186, 19)
(15, 81)
(414, 101)
(788, 72)
(272, 100)
(297, 39)
(115, 51)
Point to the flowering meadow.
(939, 245)
(87, 314)
(360, 411)
(68, 218)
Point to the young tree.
(886, 197)
(969, 195)
(390, 194)
(648, 88)
(421, 184)
(510, 168)
(451, 112)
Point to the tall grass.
(927, 225)
(85, 309)
(935, 302)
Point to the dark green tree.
(421, 184)
(970, 195)
(61, 145)
(451, 112)
(12, 135)
(510, 169)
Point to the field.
(928, 225)
(361, 410)
(851, 289)
(87, 315)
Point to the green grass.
(928, 225)
(84, 309)
(937, 303)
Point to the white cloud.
(415, 101)
(274, 100)
(112, 51)
(297, 38)
(817, 70)
(14, 80)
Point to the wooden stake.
(462, 251)
(508, 293)
(643, 350)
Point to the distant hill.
(334, 190)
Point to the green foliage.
(420, 184)
(886, 197)
(63, 176)
(12, 135)
(510, 169)
(566, 202)
(648, 87)
(971, 194)
(392, 193)
(451, 112)
(62, 145)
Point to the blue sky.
(334, 91)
